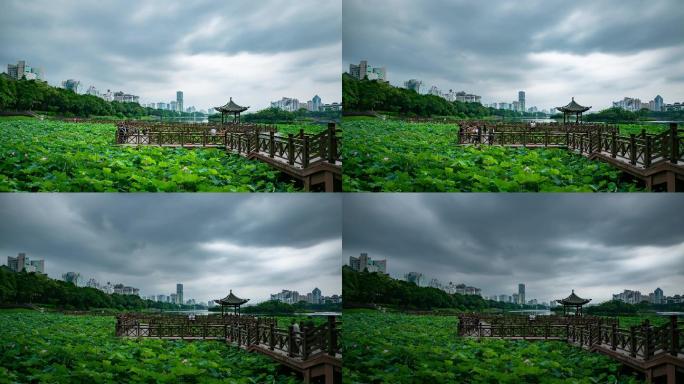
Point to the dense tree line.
(620, 308)
(32, 95)
(620, 115)
(362, 288)
(274, 307)
(35, 288)
(373, 95)
(279, 116)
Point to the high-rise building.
(365, 71)
(71, 85)
(173, 298)
(316, 296)
(365, 263)
(416, 278)
(21, 263)
(658, 103)
(23, 71)
(179, 291)
(125, 97)
(316, 103)
(628, 296)
(92, 91)
(286, 104)
(72, 277)
(628, 103)
(179, 101)
(658, 296)
(521, 101)
(413, 84)
(521, 287)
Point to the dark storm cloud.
(597, 244)
(211, 243)
(496, 48)
(140, 46)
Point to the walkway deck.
(315, 160)
(655, 351)
(313, 351)
(657, 160)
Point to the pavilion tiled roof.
(573, 107)
(231, 300)
(573, 300)
(231, 107)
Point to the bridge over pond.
(656, 159)
(315, 160)
(312, 350)
(655, 351)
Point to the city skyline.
(214, 51)
(596, 245)
(595, 52)
(210, 243)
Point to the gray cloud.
(255, 245)
(596, 51)
(245, 49)
(597, 245)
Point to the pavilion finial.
(231, 291)
(573, 291)
(573, 98)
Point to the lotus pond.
(55, 348)
(396, 156)
(397, 348)
(56, 156)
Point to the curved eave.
(573, 110)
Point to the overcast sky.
(595, 244)
(254, 51)
(253, 244)
(596, 51)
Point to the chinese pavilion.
(231, 108)
(573, 108)
(573, 302)
(231, 301)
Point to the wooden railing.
(243, 331)
(299, 150)
(642, 342)
(473, 125)
(643, 150)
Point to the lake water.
(540, 312)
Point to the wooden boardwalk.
(313, 351)
(655, 351)
(657, 160)
(315, 160)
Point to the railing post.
(648, 339)
(271, 144)
(567, 139)
(647, 152)
(331, 143)
(613, 144)
(632, 149)
(290, 149)
(590, 150)
(248, 342)
(332, 336)
(546, 137)
(305, 152)
(305, 344)
(632, 337)
(674, 336)
(290, 340)
(479, 135)
(271, 337)
(674, 144)
(613, 337)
